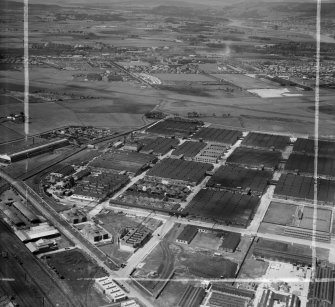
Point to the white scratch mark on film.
(316, 135)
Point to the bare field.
(287, 114)
(172, 293)
(183, 77)
(246, 82)
(279, 213)
(79, 273)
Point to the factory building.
(13, 218)
(43, 230)
(42, 246)
(134, 239)
(31, 217)
(94, 233)
(112, 290)
(187, 234)
(75, 216)
(35, 149)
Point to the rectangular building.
(187, 234)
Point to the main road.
(70, 232)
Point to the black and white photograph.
(167, 153)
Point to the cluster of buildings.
(229, 240)
(97, 187)
(134, 238)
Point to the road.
(242, 231)
(144, 251)
(52, 216)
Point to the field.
(287, 215)
(223, 207)
(8, 134)
(204, 264)
(268, 141)
(172, 292)
(174, 169)
(304, 164)
(239, 178)
(301, 187)
(280, 213)
(183, 78)
(159, 264)
(252, 268)
(110, 106)
(247, 82)
(217, 135)
(255, 158)
(78, 272)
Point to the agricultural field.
(247, 82)
(183, 78)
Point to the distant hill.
(253, 9)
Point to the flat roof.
(188, 233)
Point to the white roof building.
(111, 289)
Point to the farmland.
(182, 77)
(247, 82)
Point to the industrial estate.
(151, 188)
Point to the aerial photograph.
(167, 153)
